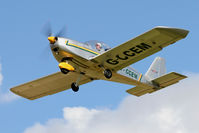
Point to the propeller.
(47, 31)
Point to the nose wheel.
(74, 87)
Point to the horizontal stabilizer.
(158, 83)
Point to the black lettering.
(131, 74)
(128, 54)
(124, 58)
(136, 76)
(112, 62)
(143, 46)
(136, 50)
(127, 71)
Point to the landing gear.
(64, 71)
(74, 87)
(107, 73)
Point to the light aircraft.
(81, 63)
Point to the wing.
(139, 47)
(48, 85)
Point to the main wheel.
(74, 87)
(107, 73)
(64, 71)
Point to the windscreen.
(98, 46)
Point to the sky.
(99, 106)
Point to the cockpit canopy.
(97, 46)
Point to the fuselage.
(80, 54)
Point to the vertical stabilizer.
(157, 69)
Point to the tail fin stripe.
(140, 77)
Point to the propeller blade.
(47, 30)
(62, 32)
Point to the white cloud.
(172, 110)
(5, 96)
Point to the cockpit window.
(98, 46)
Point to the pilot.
(98, 46)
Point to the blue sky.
(24, 54)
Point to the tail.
(156, 79)
(157, 69)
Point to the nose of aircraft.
(52, 39)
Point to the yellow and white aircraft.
(81, 63)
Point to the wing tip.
(13, 90)
(178, 31)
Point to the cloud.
(172, 110)
(5, 96)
